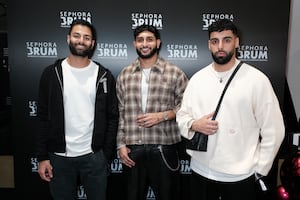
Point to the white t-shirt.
(144, 87)
(79, 91)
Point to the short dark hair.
(222, 25)
(146, 27)
(84, 23)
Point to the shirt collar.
(157, 67)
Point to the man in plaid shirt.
(150, 91)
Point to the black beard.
(222, 60)
(75, 52)
(150, 55)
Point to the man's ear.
(68, 39)
(158, 43)
(237, 42)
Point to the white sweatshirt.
(250, 109)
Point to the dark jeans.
(156, 168)
(91, 169)
(206, 189)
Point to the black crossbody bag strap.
(225, 88)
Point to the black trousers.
(156, 166)
(206, 189)
(92, 169)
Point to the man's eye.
(76, 36)
(227, 40)
(149, 39)
(214, 41)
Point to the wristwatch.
(165, 115)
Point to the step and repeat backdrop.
(37, 37)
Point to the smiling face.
(223, 46)
(80, 40)
(146, 44)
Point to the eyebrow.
(226, 37)
(85, 35)
(151, 36)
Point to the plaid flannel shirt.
(166, 88)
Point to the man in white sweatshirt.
(248, 131)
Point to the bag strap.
(224, 90)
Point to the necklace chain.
(221, 78)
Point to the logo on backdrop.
(81, 193)
(112, 50)
(150, 194)
(185, 167)
(182, 51)
(116, 165)
(253, 52)
(67, 17)
(154, 19)
(34, 165)
(41, 49)
(209, 18)
(32, 105)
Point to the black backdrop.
(37, 37)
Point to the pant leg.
(93, 169)
(203, 188)
(136, 177)
(245, 189)
(64, 181)
(163, 166)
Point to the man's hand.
(45, 170)
(149, 119)
(123, 152)
(205, 125)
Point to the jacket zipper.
(59, 80)
(62, 93)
